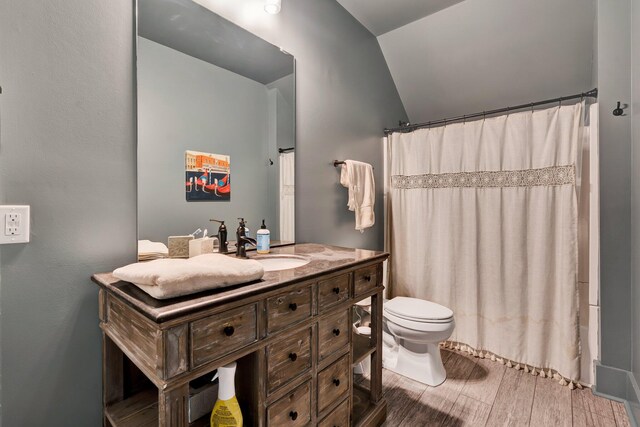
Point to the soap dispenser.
(263, 238)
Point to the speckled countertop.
(323, 259)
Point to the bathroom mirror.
(216, 125)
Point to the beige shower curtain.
(287, 197)
(483, 219)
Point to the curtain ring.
(464, 119)
(484, 115)
(531, 105)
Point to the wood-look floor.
(479, 392)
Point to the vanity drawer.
(333, 382)
(365, 279)
(222, 333)
(294, 409)
(333, 333)
(339, 417)
(288, 308)
(333, 291)
(288, 358)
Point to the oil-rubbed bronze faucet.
(242, 240)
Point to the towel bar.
(340, 162)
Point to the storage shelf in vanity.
(362, 348)
(140, 409)
(364, 408)
(291, 334)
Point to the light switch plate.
(14, 224)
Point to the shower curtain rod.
(409, 127)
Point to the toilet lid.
(417, 309)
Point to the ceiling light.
(272, 6)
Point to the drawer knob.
(229, 330)
(336, 290)
(293, 306)
(293, 415)
(293, 357)
(367, 277)
(336, 332)
(336, 382)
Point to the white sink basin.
(280, 262)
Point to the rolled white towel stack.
(148, 250)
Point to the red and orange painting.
(208, 176)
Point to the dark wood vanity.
(291, 334)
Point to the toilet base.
(420, 362)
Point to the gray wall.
(344, 98)
(635, 195)
(615, 275)
(483, 54)
(68, 150)
(68, 106)
(618, 74)
(184, 104)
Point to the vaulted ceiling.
(454, 57)
(381, 16)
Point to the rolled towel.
(169, 278)
(148, 250)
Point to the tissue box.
(179, 246)
(200, 246)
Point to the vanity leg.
(112, 375)
(172, 407)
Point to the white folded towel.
(168, 278)
(358, 178)
(148, 250)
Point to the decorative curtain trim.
(549, 176)
(528, 369)
(288, 190)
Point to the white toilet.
(412, 330)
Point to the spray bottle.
(226, 412)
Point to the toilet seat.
(416, 310)
(419, 326)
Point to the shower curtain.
(483, 219)
(287, 197)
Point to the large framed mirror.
(216, 125)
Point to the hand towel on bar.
(168, 278)
(358, 178)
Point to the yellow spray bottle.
(226, 412)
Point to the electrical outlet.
(16, 224)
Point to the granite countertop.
(323, 259)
